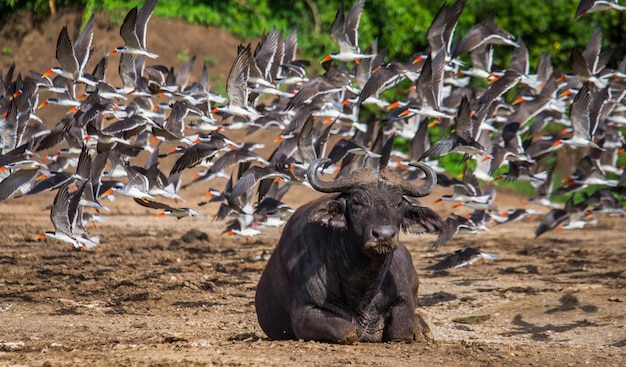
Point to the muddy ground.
(169, 292)
(159, 291)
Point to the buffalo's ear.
(419, 219)
(330, 213)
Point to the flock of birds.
(268, 88)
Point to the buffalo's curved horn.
(342, 184)
(429, 181)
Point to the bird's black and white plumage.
(73, 57)
(134, 30)
(591, 6)
(165, 209)
(463, 257)
(345, 32)
(66, 217)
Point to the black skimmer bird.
(73, 58)
(577, 215)
(127, 71)
(467, 192)
(124, 128)
(513, 149)
(19, 179)
(236, 227)
(486, 32)
(137, 186)
(442, 27)
(591, 6)
(253, 175)
(462, 140)
(344, 147)
(230, 158)
(178, 213)
(344, 32)
(65, 94)
(589, 172)
(544, 190)
(455, 224)
(173, 127)
(363, 70)
(583, 129)
(589, 64)
(291, 71)
(237, 86)
(134, 31)
(266, 59)
(429, 89)
(52, 181)
(604, 201)
(66, 217)
(529, 105)
(385, 77)
(502, 84)
(204, 149)
(332, 84)
(461, 258)
(482, 62)
(514, 215)
(573, 215)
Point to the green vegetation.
(469, 320)
(210, 61)
(183, 55)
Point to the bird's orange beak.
(566, 92)
(395, 104)
(417, 59)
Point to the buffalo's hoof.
(349, 338)
(422, 330)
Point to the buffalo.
(339, 273)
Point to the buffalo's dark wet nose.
(384, 232)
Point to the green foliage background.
(400, 25)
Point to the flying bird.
(461, 258)
(134, 29)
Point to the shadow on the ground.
(432, 299)
(569, 302)
(620, 344)
(542, 333)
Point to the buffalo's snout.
(384, 232)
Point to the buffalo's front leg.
(400, 322)
(314, 323)
(404, 324)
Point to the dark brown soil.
(160, 292)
